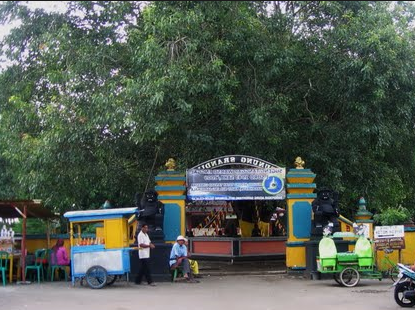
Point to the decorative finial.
(299, 163)
(362, 211)
(171, 164)
(362, 204)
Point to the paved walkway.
(265, 292)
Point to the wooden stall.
(12, 209)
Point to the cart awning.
(99, 214)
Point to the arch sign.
(255, 180)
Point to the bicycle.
(393, 271)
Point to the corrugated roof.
(15, 208)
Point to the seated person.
(231, 229)
(256, 232)
(60, 255)
(180, 257)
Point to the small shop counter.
(237, 248)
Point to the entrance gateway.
(202, 204)
(204, 198)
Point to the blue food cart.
(99, 260)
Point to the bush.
(393, 216)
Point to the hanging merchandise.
(3, 233)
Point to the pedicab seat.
(364, 252)
(327, 254)
(347, 257)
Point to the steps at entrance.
(222, 268)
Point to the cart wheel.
(96, 277)
(349, 277)
(111, 279)
(393, 273)
(336, 278)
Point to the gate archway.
(296, 187)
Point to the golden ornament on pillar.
(171, 164)
(299, 163)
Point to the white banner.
(389, 232)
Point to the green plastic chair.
(55, 267)
(364, 252)
(4, 263)
(327, 253)
(40, 256)
(175, 271)
(48, 256)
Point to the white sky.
(48, 6)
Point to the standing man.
(144, 246)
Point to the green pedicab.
(347, 267)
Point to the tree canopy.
(95, 97)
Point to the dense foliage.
(95, 97)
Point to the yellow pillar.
(171, 189)
(300, 188)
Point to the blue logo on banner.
(272, 184)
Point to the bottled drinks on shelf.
(90, 241)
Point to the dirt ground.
(236, 292)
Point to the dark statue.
(151, 212)
(326, 212)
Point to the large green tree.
(96, 97)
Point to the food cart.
(100, 259)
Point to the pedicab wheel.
(400, 299)
(349, 277)
(111, 279)
(336, 278)
(96, 277)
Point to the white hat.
(180, 238)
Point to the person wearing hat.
(180, 257)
